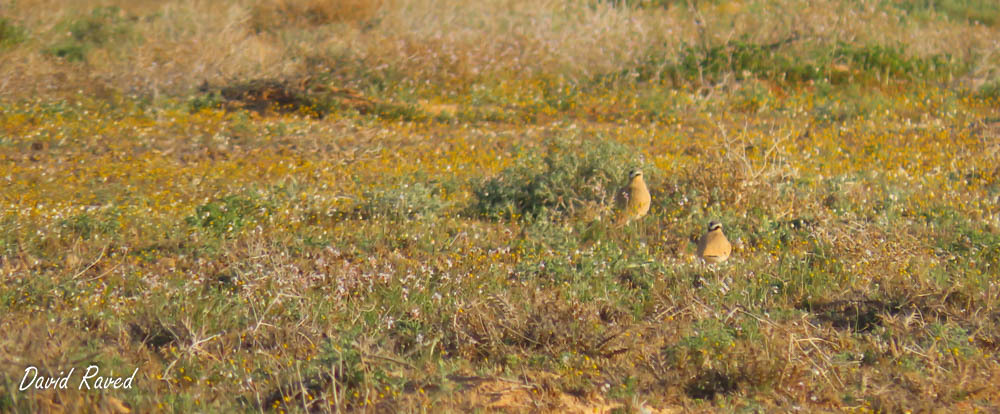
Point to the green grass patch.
(985, 12)
(571, 174)
(11, 33)
(791, 60)
(101, 28)
(228, 215)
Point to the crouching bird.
(713, 246)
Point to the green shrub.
(710, 338)
(752, 97)
(743, 58)
(950, 337)
(87, 226)
(229, 214)
(10, 33)
(740, 57)
(101, 27)
(400, 202)
(205, 101)
(986, 12)
(9, 237)
(892, 61)
(341, 353)
(570, 175)
(989, 90)
(72, 52)
(648, 4)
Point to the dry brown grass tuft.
(277, 14)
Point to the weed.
(979, 11)
(743, 59)
(950, 339)
(989, 91)
(228, 215)
(401, 202)
(207, 101)
(86, 225)
(892, 62)
(10, 33)
(103, 26)
(278, 14)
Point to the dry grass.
(181, 44)
(274, 15)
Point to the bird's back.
(714, 247)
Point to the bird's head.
(714, 225)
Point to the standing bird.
(713, 246)
(632, 200)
